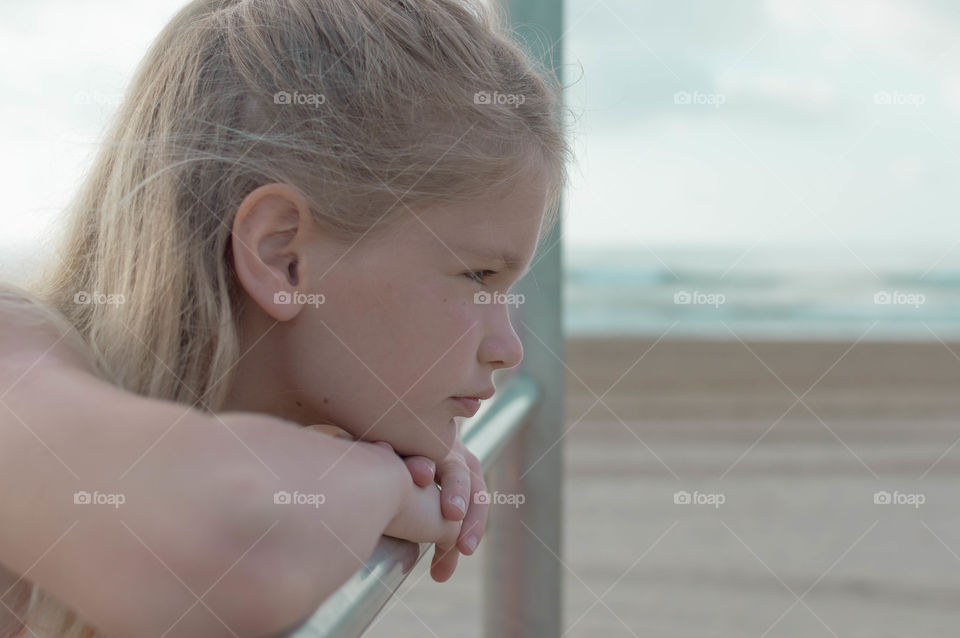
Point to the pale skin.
(398, 322)
(397, 332)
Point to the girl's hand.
(422, 469)
(420, 519)
(461, 478)
(330, 429)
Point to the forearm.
(313, 550)
(119, 564)
(197, 519)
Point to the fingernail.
(471, 543)
(459, 503)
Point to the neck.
(258, 385)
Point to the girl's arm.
(180, 528)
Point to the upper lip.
(486, 394)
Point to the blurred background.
(762, 304)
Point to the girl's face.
(396, 325)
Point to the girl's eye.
(478, 275)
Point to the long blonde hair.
(356, 103)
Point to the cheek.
(451, 313)
(440, 332)
(401, 329)
(416, 338)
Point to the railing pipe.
(349, 610)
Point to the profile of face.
(377, 335)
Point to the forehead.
(503, 225)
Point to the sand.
(798, 547)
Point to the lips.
(469, 405)
(485, 394)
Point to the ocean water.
(764, 292)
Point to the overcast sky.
(697, 122)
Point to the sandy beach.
(785, 446)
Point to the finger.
(454, 478)
(444, 563)
(383, 444)
(330, 430)
(475, 522)
(422, 469)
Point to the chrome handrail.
(349, 610)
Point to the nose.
(501, 348)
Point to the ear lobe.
(268, 239)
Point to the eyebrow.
(509, 259)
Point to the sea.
(763, 292)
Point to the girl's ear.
(270, 245)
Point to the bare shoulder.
(33, 333)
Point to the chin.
(435, 448)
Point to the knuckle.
(458, 480)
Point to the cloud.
(904, 31)
(809, 93)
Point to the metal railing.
(349, 610)
(520, 434)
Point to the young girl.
(303, 213)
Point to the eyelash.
(472, 275)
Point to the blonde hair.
(356, 103)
